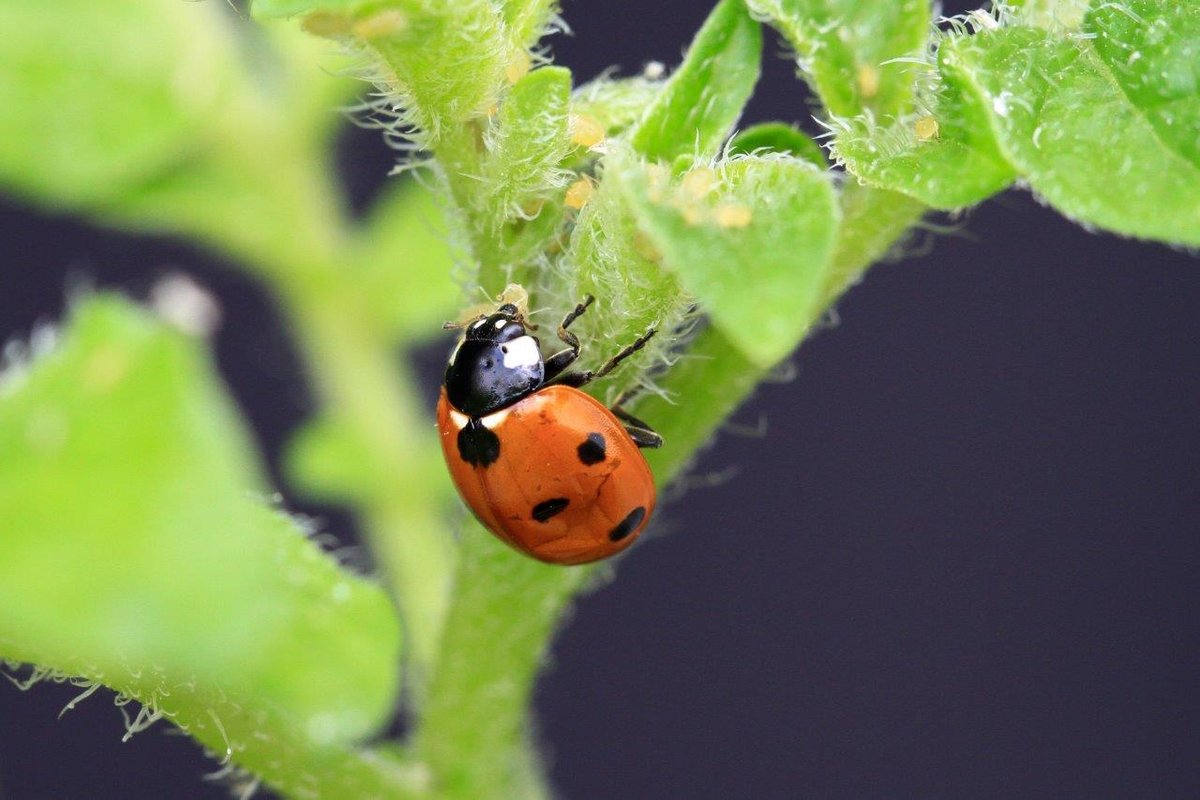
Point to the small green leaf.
(1057, 15)
(752, 240)
(617, 264)
(136, 554)
(1152, 48)
(845, 47)
(527, 19)
(945, 155)
(615, 104)
(702, 101)
(449, 59)
(525, 147)
(1062, 121)
(778, 137)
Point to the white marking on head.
(521, 352)
(454, 353)
(459, 419)
(492, 421)
(478, 324)
(500, 323)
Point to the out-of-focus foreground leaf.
(139, 553)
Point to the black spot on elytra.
(548, 508)
(593, 449)
(627, 525)
(477, 445)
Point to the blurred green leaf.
(1152, 49)
(100, 96)
(404, 263)
(778, 137)
(136, 552)
(845, 47)
(270, 9)
(1062, 121)
(751, 239)
(702, 100)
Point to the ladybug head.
(495, 364)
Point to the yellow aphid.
(585, 131)
(518, 67)
(326, 24)
(729, 215)
(578, 193)
(699, 182)
(657, 180)
(868, 80)
(531, 208)
(645, 248)
(381, 26)
(926, 128)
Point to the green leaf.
(446, 62)
(946, 155)
(99, 96)
(1152, 48)
(1062, 121)
(527, 19)
(751, 239)
(702, 101)
(777, 137)
(615, 104)
(136, 554)
(616, 263)
(845, 47)
(525, 147)
(1058, 15)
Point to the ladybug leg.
(558, 362)
(578, 379)
(641, 433)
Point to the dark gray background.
(955, 556)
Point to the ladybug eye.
(504, 349)
(487, 364)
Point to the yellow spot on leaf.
(926, 128)
(579, 192)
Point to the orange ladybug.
(548, 469)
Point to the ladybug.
(547, 468)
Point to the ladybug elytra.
(548, 469)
